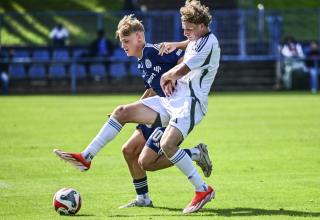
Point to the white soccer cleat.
(199, 200)
(137, 203)
(75, 159)
(204, 162)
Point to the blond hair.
(128, 25)
(194, 12)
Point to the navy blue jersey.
(152, 66)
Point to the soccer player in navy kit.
(152, 65)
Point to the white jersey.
(202, 57)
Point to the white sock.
(185, 165)
(107, 133)
(195, 154)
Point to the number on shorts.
(156, 136)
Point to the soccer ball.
(67, 201)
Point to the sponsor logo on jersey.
(152, 76)
(157, 69)
(179, 51)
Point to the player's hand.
(168, 85)
(167, 47)
(168, 88)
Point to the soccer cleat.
(199, 200)
(136, 203)
(204, 162)
(73, 158)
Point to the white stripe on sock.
(177, 156)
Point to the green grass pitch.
(265, 147)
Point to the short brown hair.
(128, 25)
(194, 12)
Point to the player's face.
(131, 44)
(193, 31)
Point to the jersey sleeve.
(197, 57)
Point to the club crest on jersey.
(148, 63)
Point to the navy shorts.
(152, 136)
(146, 131)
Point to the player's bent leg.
(149, 160)
(152, 158)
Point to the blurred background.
(58, 46)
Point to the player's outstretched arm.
(168, 47)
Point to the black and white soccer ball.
(67, 201)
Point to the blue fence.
(240, 32)
(244, 35)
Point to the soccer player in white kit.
(187, 87)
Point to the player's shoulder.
(150, 51)
(205, 41)
(152, 48)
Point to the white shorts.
(182, 113)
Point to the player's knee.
(121, 113)
(128, 151)
(167, 147)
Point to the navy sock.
(141, 185)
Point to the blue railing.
(244, 35)
(240, 32)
